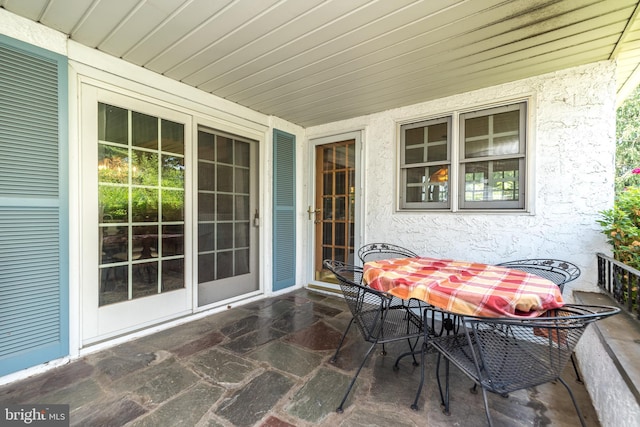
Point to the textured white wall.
(611, 397)
(573, 136)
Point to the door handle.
(312, 213)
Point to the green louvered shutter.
(284, 204)
(33, 206)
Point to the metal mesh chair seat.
(505, 355)
(376, 317)
(555, 270)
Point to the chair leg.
(422, 353)
(444, 397)
(573, 399)
(575, 368)
(353, 380)
(335, 355)
(486, 406)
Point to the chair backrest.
(377, 251)
(512, 354)
(558, 271)
(367, 305)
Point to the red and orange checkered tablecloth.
(464, 287)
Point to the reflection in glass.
(112, 124)
(172, 274)
(492, 180)
(144, 130)
(114, 285)
(113, 164)
(172, 171)
(144, 203)
(173, 205)
(114, 243)
(341, 183)
(145, 279)
(224, 261)
(113, 203)
(172, 240)
(172, 137)
(327, 181)
(129, 193)
(144, 168)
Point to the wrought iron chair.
(377, 319)
(377, 251)
(555, 270)
(506, 354)
(558, 271)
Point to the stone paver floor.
(267, 364)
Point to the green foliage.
(628, 142)
(621, 225)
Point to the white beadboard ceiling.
(317, 61)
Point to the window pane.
(206, 176)
(172, 137)
(113, 164)
(224, 177)
(145, 242)
(225, 207)
(224, 149)
(224, 261)
(113, 203)
(242, 261)
(144, 204)
(144, 130)
(114, 285)
(242, 181)
(144, 168)
(172, 205)
(206, 146)
(172, 274)
(492, 135)
(145, 279)
(492, 180)
(114, 244)
(172, 171)
(112, 124)
(242, 208)
(206, 237)
(206, 267)
(242, 235)
(242, 154)
(172, 240)
(224, 236)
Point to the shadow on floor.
(267, 364)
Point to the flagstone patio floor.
(267, 364)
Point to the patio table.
(464, 288)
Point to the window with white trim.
(481, 167)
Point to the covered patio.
(267, 364)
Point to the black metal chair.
(377, 251)
(377, 319)
(555, 270)
(507, 354)
(558, 271)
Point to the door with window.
(135, 214)
(334, 213)
(228, 217)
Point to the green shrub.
(621, 225)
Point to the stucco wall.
(573, 145)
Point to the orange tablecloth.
(464, 287)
